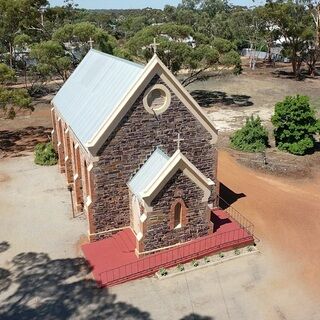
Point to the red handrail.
(184, 253)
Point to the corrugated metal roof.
(94, 90)
(148, 171)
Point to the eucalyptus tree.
(16, 17)
(295, 26)
(179, 47)
(11, 99)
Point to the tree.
(295, 25)
(11, 99)
(21, 45)
(7, 75)
(314, 49)
(16, 17)
(212, 7)
(295, 125)
(176, 51)
(75, 38)
(51, 59)
(252, 137)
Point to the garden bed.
(206, 262)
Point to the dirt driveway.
(286, 216)
(282, 283)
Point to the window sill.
(178, 226)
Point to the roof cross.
(154, 45)
(91, 42)
(178, 140)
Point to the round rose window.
(157, 99)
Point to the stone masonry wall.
(159, 234)
(131, 144)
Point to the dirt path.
(285, 213)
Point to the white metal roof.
(155, 164)
(94, 90)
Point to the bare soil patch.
(20, 135)
(20, 142)
(274, 161)
(230, 99)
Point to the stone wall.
(134, 139)
(159, 232)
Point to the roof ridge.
(118, 58)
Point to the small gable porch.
(168, 202)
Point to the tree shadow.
(228, 197)
(4, 246)
(304, 74)
(207, 98)
(194, 316)
(57, 289)
(14, 142)
(284, 74)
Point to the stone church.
(137, 151)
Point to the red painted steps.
(114, 260)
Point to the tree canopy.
(295, 125)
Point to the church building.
(137, 151)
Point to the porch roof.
(156, 163)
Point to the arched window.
(177, 215)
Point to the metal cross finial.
(154, 45)
(91, 42)
(178, 140)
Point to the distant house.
(263, 55)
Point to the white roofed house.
(137, 150)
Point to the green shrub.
(221, 255)
(45, 155)
(295, 125)
(237, 252)
(180, 267)
(252, 137)
(195, 263)
(163, 272)
(249, 248)
(206, 259)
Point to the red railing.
(171, 257)
(235, 215)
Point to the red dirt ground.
(285, 213)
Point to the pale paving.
(36, 217)
(36, 211)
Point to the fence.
(235, 215)
(171, 257)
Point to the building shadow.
(218, 221)
(23, 140)
(228, 197)
(207, 99)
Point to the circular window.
(157, 99)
